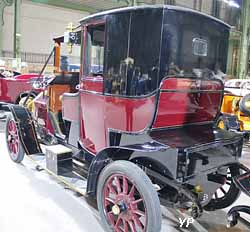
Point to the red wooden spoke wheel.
(127, 200)
(13, 142)
(123, 204)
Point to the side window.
(144, 52)
(95, 50)
(133, 52)
(117, 53)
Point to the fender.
(25, 94)
(139, 154)
(26, 129)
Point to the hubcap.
(124, 206)
(12, 138)
(116, 210)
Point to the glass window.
(144, 52)
(95, 50)
(116, 53)
(193, 45)
(133, 50)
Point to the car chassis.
(134, 146)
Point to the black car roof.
(135, 8)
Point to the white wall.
(39, 24)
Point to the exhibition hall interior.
(125, 115)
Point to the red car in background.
(15, 86)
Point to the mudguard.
(26, 129)
(125, 153)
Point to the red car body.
(12, 89)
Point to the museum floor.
(33, 201)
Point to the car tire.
(13, 142)
(126, 198)
(229, 196)
(245, 105)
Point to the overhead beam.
(72, 6)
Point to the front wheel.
(127, 200)
(13, 142)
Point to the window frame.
(97, 22)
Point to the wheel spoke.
(139, 212)
(137, 201)
(118, 184)
(132, 191)
(118, 223)
(109, 200)
(216, 195)
(111, 218)
(223, 190)
(125, 185)
(111, 188)
(137, 222)
(228, 183)
(11, 147)
(132, 226)
(10, 126)
(125, 225)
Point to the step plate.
(70, 178)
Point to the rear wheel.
(127, 200)
(13, 142)
(227, 194)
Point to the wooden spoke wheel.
(127, 200)
(13, 142)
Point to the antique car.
(235, 107)
(139, 127)
(15, 86)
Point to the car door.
(93, 136)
